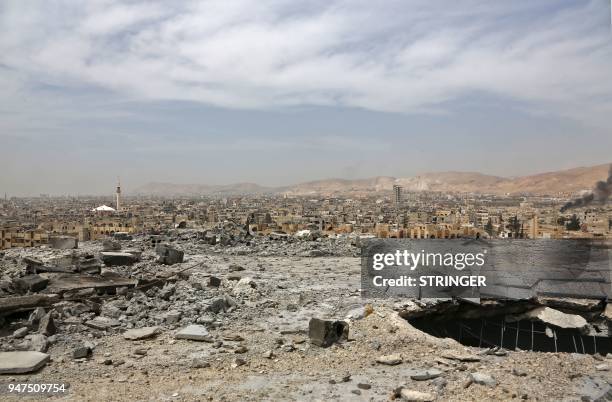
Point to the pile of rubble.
(137, 309)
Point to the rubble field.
(177, 318)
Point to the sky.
(280, 92)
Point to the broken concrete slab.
(63, 242)
(25, 303)
(22, 362)
(65, 283)
(141, 333)
(194, 333)
(326, 332)
(102, 323)
(554, 317)
(30, 283)
(112, 258)
(424, 375)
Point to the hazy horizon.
(278, 93)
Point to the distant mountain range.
(551, 183)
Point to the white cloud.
(395, 56)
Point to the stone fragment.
(194, 333)
(47, 325)
(141, 333)
(113, 258)
(363, 386)
(326, 332)
(102, 323)
(424, 375)
(37, 342)
(22, 362)
(169, 255)
(213, 282)
(482, 379)
(199, 362)
(36, 316)
(221, 304)
(89, 266)
(415, 396)
(389, 360)
(235, 268)
(81, 352)
(21, 332)
(172, 317)
(461, 357)
(554, 317)
(238, 362)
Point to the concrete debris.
(30, 283)
(25, 303)
(81, 352)
(141, 333)
(111, 245)
(482, 379)
(424, 375)
(102, 323)
(47, 325)
(21, 332)
(248, 298)
(461, 357)
(22, 362)
(325, 332)
(390, 360)
(235, 268)
(213, 282)
(111, 259)
(554, 317)
(194, 333)
(221, 304)
(415, 396)
(36, 342)
(169, 255)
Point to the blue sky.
(278, 92)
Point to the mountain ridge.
(547, 183)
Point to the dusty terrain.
(259, 349)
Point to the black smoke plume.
(600, 194)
